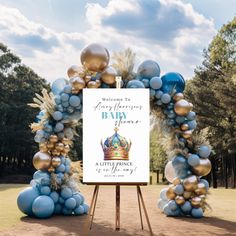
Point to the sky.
(49, 35)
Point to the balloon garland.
(54, 188)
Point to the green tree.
(213, 93)
(18, 85)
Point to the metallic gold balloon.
(176, 181)
(41, 161)
(77, 83)
(66, 148)
(53, 138)
(180, 200)
(170, 194)
(191, 106)
(187, 194)
(66, 141)
(95, 57)
(182, 107)
(203, 169)
(201, 189)
(187, 134)
(178, 96)
(51, 169)
(56, 161)
(94, 84)
(59, 147)
(50, 145)
(196, 201)
(190, 183)
(55, 152)
(109, 75)
(184, 127)
(75, 71)
(43, 147)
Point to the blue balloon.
(70, 203)
(67, 89)
(163, 195)
(149, 69)
(78, 199)
(40, 133)
(204, 151)
(165, 98)
(170, 122)
(65, 105)
(172, 205)
(181, 166)
(79, 210)
(39, 174)
(58, 86)
(66, 211)
(58, 208)
(67, 161)
(65, 97)
(192, 124)
(58, 127)
(60, 108)
(63, 159)
(180, 119)
(45, 190)
(197, 212)
(161, 203)
(48, 128)
(66, 193)
(54, 196)
(205, 182)
(171, 114)
(70, 109)
(67, 169)
(146, 83)
(186, 207)
(57, 99)
(61, 200)
(159, 102)
(193, 160)
(155, 82)
(60, 168)
(135, 84)
(26, 199)
(191, 115)
(43, 207)
(57, 115)
(60, 135)
(179, 189)
(152, 92)
(74, 101)
(86, 208)
(158, 94)
(172, 82)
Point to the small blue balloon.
(179, 189)
(57, 115)
(152, 92)
(60, 135)
(171, 114)
(67, 169)
(146, 83)
(65, 105)
(193, 160)
(79, 210)
(26, 199)
(172, 82)
(45, 190)
(192, 124)
(149, 69)
(165, 98)
(186, 207)
(74, 101)
(58, 127)
(40, 133)
(48, 128)
(163, 195)
(70, 109)
(43, 207)
(57, 209)
(172, 205)
(59, 108)
(78, 199)
(67, 89)
(58, 86)
(65, 97)
(70, 203)
(57, 99)
(66, 211)
(191, 115)
(54, 196)
(135, 84)
(204, 151)
(180, 119)
(66, 193)
(161, 203)
(205, 182)
(60, 168)
(158, 94)
(159, 103)
(61, 200)
(197, 212)
(63, 159)
(39, 174)
(155, 82)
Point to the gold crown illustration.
(116, 147)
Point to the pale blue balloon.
(66, 193)
(57, 115)
(78, 199)
(43, 207)
(179, 189)
(197, 212)
(146, 83)
(70, 109)
(205, 182)
(191, 115)
(60, 168)
(63, 159)
(70, 203)
(165, 98)
(172, 205)
(152, 92)
(135, 84)
(40, 133)
(155, 82)
(180, 119)
(58, 86)
(65, 105)
(67, 89)
(79, 210)
(74, 101)
(149, 69)
(57, 99)
(54, 196)
(159, 93)
(181, 166)
(60, 108)
(193, 160)
(26, 199)
(161, 203)
(48, 128)
(192, 124)
(67, 169)
(204, 151)
(58, 127)
(57, 209)
(45, 190)
(163, 194)
(39, 174)
(186, 207)
(60, 135)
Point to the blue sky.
(49, 34)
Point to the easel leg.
(144, 208)
(117, 220)
(140, 210)
(93, 204)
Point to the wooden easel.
(117, 213)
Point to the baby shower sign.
(115, 135)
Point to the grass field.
(222, 201)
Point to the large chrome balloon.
(190, 183)
(41, 161)
(182, 107)
(95, 57)
(75, 71)
(77, 83)
(109, 75)
(204, 168)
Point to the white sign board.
(116, 135)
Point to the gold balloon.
(182, 107)
(50, 145)
(196, 201)
(191, 106)
(187, 194)
(203, 169)
(59, 147)
(187, 134)
(109, 75)
(180, 200)
(55, 152)
(190, 183)
(51, 169)
(95, 57)
(53, 138)
(67, 148)
(56, 161)
(170, 194)
(201, 189)
(184, 127)
(176, 181)
(41, 161)
(43, 147)
(75, 71)
(77, 83)
(178, 96)
(94, 84)
(66, 141)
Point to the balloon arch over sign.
(54, 187)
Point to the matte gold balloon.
(176, 181)
(180, 200)
(53, 138)
(75, 71)
(190, 183)
(66, 141)
(43, 147)
(41, 161)
(170, 194)
(196, 201)
(187, 134)
(59, 147)
(201, 189)
(109, 75)
(187, 194)
(51, 169)
(56, 161)
(182, 107)
(178, 96)
(77, 83)
(95, 57)
(184, 127)
(204, 168)
(94, 84)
